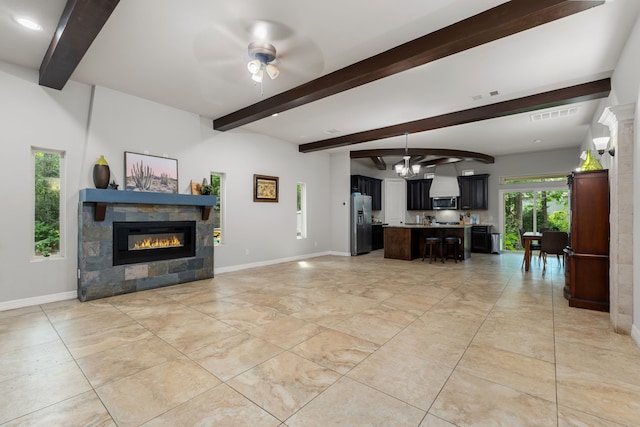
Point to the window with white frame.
(218, 183)
(47, 167)
(301, 208)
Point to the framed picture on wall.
(265, 188)
(143, 172)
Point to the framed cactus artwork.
(155, 174)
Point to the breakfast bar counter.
(407, 241)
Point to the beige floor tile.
(72, 309)
(602, 338)
(470, 401)
(233, 355)
(191, 332)
(416, 304)
(600, 396)
(568, 417)
(80, 411)
(599, 361)
(32, 359)
(92, 323)
(284, 384)
(220, 406)
(333, 311)
(31, 320)
(436, 347)
(20, 311)
(433, 421)
(369, 328)
(349, 403)
(392, 314)
(128, 359)
(156, 391)
(105, 339)
(522, 337)
(335, 350)
(286, 332)
(407, 378)
(250, 317)
(22, 395)
(219, 307)
(532, 376)
(450, 325)
(14, 340)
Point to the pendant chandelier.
(405, 170)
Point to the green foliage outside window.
(215, 191)
(551, 209)
(47, 203)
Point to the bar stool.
(451, 243)
(431, 242)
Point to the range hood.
(445, 182)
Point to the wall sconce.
(601, 144)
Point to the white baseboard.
(44, 299)
(635, 334)
(268, 262)
(340, 253)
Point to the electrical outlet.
(315, 243)
(246, 251)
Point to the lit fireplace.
(135, 242)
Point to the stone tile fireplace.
(133, 241)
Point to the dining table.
(528, 237)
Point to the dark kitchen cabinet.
(369, 186)
(474, 192)
(377, 237)
(481, 238)
(587, 257)
(418, 194)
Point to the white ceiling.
(192, 54)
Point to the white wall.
(340, 184)
(45, 118)
(625, 83)
(86, 123)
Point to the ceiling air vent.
(556, 114)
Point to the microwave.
(444, 203)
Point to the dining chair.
(553, 243)
(533, 246)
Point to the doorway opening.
(533, 204)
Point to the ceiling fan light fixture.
(254, 66)
(272, 71)
(257, 77)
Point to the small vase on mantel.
(101, 173)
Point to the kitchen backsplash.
(449, 216)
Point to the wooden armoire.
(587, 257)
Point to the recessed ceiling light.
(332, 131)
(537, 141)
(274, 115)
(28, 23)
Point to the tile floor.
(352, 341)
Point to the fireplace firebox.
(135, 242)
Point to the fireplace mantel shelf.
(103, 197)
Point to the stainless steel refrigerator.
(360, 224)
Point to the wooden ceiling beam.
(79, 25)
(501, 21)
(569, 95)
(421, 153)
(379, 163)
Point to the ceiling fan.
(262, 47)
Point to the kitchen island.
(407, 241)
